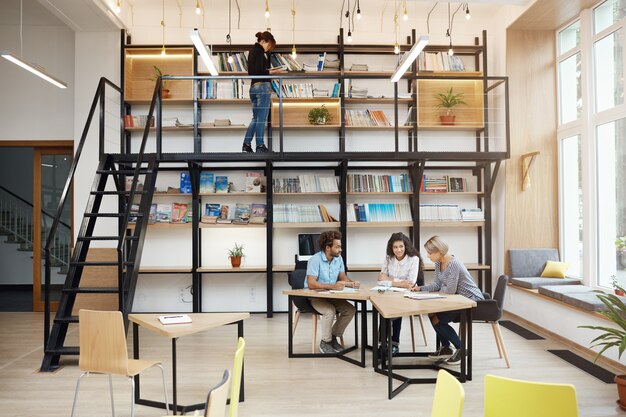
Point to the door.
(51, 167)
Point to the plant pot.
(320, 121)
(619, 292)
(620, 380)
(447, 120)
(235, 261)
(165, 93)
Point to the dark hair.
(409, 249)
(327, 238)
(267, 37)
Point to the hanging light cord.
(238, 14)
(21, 30)
(293, 23)
(454, 14)
(428, 17)
(163, 23)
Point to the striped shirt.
(454, 280)
(405, 270)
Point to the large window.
(572, 204)
(608, 66)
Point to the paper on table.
(175, 319)
(345, 289)
(418, 296)
(384, 288)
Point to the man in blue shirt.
(325, 271)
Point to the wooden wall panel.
(98, 276)
(532, 215)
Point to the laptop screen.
(308, 245)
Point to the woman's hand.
(416, 289)
(276, 70)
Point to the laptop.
(307, 245)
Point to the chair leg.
(506, 357)
(423, 331)
(111, 391)
(495, 335)
(314, 332)
(76, 392)
(412, 332)
(167, 405)
(132, 396)
(296, 319)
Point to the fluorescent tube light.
(201, 47)
(35, 69)
(408, 59)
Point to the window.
(570, 88)
(572, 205)
(569, 38)
(608, 65)
(608, 13)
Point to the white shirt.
(404, 270)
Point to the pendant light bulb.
(267, 9)
(358, 14)
(294, 54)
(163, 51)
(198, 9)
(349, 36)
(396, 49)
(468, 16)
(405, 15)
(450, 51)
(230, 59)
(118, 7)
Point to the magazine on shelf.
(207, 182)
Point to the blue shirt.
(326, 272)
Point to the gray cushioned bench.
(576, 295)
(528, 264)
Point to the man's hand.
(339, 285)
(354, 284)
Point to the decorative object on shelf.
(235, 254)
(165, 92)
(448, 101)
(527, 161)
(613, 337)
(319, 115)
(617, 289)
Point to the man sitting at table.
(325, 271)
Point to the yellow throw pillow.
(555, 269)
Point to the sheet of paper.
(175, 319)
(426, 296)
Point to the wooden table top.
(361, 294)
(199, 322)
(393, 305)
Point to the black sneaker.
(444, 352)
(327, 347)
(336, 345)
(246, 148)
(395, 350)
(261, 149)
(456, 358)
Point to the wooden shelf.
(427, 267)
(314, 225)
(304, 193)
(379, 100)
(296, 112)
(227, 225)
(381, 193)
(451, 223)
(378, 127)
(165, 101)
(307, 126)
(165, 194)
(450, 74)
(456, 127)
(165, 270)
(189, 128)
(164, 226)
(365, 225)
(451, 194)
(189, 102)
(233, 194)
(224, 101)
(372, 73)
(230, 269)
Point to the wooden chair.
(490, 311)
(236, 382)
(419, 317)
(515, 398)
(103, 351)
(449, 396)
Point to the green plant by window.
(449, 100)
(158, 73)
(620, 243)
(236, 251)
(319, 115)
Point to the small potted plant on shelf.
(613, 336)
(620, 244)
(616, 286)
(235, 254)
(319, 115)
(448, 101)
(165, 92)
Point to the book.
(242, 211)
(335, 92)
(212, 209)
(221, 184)
(163, 213)
(223, 221)
(457, 184)
(153, 212)
(185, 183)
(207, 182)
(258, 213)
(320, 61)
(179, 213)
(253, 182)
(223, 213)
(132, 216)
(175, 319)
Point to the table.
(200, 322)
(361, 296)
(395, 305)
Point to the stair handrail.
(31, 205)
(99, 96)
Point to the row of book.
(211, 183)
(296, 213)
(131, 120)
(240, 61)
(379, 212)
(224, 89)
(286, 62)
(366, 118)
(449, 212)
(439, 61)
(164, 213)
(239, 213)
(377, 183)
(444, 184)
(306, 183)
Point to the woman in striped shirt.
(451, 277)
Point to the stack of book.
(376, 183)
(239, 213)
(440, 212)
(286, 62)
(357, 92)
(320, 92)
(472, 214)
(366, 118)
(212, 89)
(302, 90)
(239, 64)
(444, 184)
(171, 213)
(439, 61)
(359, 67)
(294, 213)
(379, 212)
(137, 121)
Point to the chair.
(103, 350)
(449, 396)
(515, 398)
(413, 331)
(235, 385)
(490, 310)
(216, 399)
(302, 305)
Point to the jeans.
(396, 326)
(260, 99)
(445, 332)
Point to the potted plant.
(165, 92)
(235, 254)
(448, 101)
(319, 115)
(620, 244)
(613, 337)
(616, 286)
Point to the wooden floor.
(274, 385)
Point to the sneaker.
(246, 148)
(394, 350)
(444, 352)
(327, 347)
(261, 149)
(456, 358)
(336, 345)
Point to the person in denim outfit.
(260, 90)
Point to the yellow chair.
(515, 398)
(449, 396)
(103, 351)
(216, 399)
(236, 382)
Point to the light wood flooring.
(274, 385)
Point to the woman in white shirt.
(402, 267)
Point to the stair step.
(99, 263)
(117, 192)
(71, 319)
(64, 350)
(111, 215)
(124, 171)
(91, 290)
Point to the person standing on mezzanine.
(260, 90)
(325, 271)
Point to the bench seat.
(538, 282)
(575, 295)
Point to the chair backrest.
(236, 382)
(296, 281)
(102, 342)
(530, 262)
(449, 396)
(216, 399)
(515, 398)
(500, 291)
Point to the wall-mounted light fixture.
(202, 51)
(408, 58)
